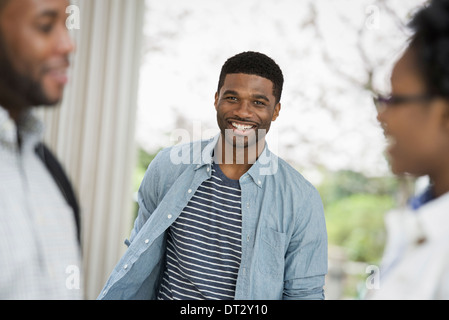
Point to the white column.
(92, 132)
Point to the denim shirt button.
(169, 216)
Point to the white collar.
(434, 216)
(29, 126)
(430, 222)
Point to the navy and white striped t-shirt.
(204, 243)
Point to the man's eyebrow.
(48, 13)
(261, 97)
(231, 92)
(254, 96)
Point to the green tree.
(143, 161)
(356, 223)
(355, 206)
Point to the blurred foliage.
(143, 161)
(355, 206)
(356, 223)
(344, 183)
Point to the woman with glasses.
(415, 119)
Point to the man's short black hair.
(430, 45)
(254, 63)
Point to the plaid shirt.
(39, 253)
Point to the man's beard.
(19, 90)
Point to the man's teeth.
(241, 126)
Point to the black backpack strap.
(61, 179)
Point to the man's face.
(245, 108)
(34, 52)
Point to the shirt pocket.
(271, 254)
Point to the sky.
(327, 50)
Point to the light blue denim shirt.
(284, 238)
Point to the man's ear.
(216, 101)
(277, 109)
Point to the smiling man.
(246, 105)
(38, 235)
(233, 221)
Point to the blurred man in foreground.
(39, 250)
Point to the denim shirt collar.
(265, 164)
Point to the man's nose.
(65, 43)
(244, 109)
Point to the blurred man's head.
(34, 52)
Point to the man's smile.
(242, 127)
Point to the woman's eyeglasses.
(383, 102)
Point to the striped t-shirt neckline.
(204, 243)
